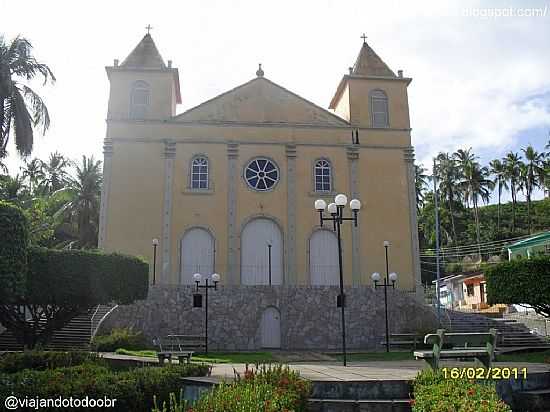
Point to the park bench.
(479, 346)
(404, 339)
(180, 346)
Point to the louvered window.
(379, 109)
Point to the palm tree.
(498, 170)
(55, 173)
(420, 183)
(448, 175)
(34, 171)
(512, 163)
(463, 158)
(476, 178)
(11, 188)
(83, 207)
(20, 107)
(533, 176)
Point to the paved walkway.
(355, 371)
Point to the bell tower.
(143, 87)
(371, 95)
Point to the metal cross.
(148, 27)
(364, 37)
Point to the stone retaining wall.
(308, 315)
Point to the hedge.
(133, 390)
(124, 338)
(522, 281)
(433, 392)
(14, 240)
(13, 362)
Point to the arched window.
(379, 108)
(199, 173)
(323, 176)
(139, 99)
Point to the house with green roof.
(532, 246)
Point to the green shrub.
(268, 389)
(133, 390)
(523, 281)
(14, 240)
(433, 392)
(124, 338)
(37, 360)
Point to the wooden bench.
(180, 346)
(479, 346)
(403, 339)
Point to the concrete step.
(533, 401)
(348, 405)
(361, 390)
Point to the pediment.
(264, 102)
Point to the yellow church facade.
(229, 186)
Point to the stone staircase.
(511, 334)
(77, 334)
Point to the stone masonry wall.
(309, 316)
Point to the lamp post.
(155, 244)
(336, 211)
(215, 278)
(390, 277)
(269, 261)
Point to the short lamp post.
(215, 279)
(336, 211)
(155, 244)
(389, 282)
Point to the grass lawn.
(533, 357)
(212, 357)
(377, 356)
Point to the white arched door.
(256, 238)
(271, 328)
(197, 254)
(323, 258)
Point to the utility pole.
(438, 296)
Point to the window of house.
(379, 108)
(199, 173)
(323, 176)
(139, 99)
(470, 289)
(261, 174)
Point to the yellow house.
(229, 186)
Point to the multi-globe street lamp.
(197, 277)
(390, 277)
(336, 211)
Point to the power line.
(475, 245)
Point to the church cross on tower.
(148, 27)
(364, 37)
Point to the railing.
(96, 320)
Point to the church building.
(229, 186)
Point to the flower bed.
(434, 393)
(265, 388)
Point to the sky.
(479, 68)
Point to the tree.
(12, 188)
(34, 172)
(498, 171)
(512, 165)
(448, 175)
(521, 282)
(84, 199)
(532, 177)
(41, 290)
(55, 173)
(420, 183)
(21, 108)
(463, 158)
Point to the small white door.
(271, 328)
(256, 238)
(197, 254)
(323, 258)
